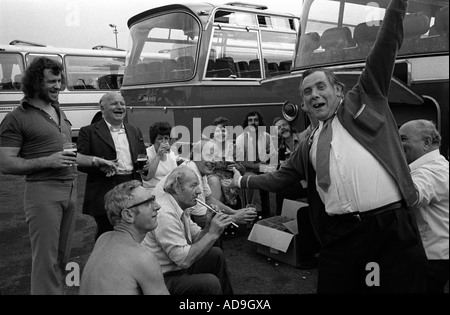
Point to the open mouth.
(319, 105)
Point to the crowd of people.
(376, 193)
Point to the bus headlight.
(289, 110)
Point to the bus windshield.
(164, 49)
(337, 32)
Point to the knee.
(210, 285)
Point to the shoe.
(308, 264)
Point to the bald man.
(429, 171)
(112, 139)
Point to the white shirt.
(358, 181)
(124, 162)
(164, 167)
(168, 241)
(204, 187)
(430, 175)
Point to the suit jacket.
(96, 140)
(366, 115)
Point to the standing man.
(118, 263)
(31, 144)
(429, 170)
(112, 139)
(357, 172)
(254, 148)
(190, 263)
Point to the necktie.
(323, 155)
(187, 229)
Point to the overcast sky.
(85, 23)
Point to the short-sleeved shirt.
(37, 135)
(168, 241)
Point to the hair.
(162, 128)
(118, 199)
(277, 119)
(221, 121)
(253, 113)
(427, 128)
(176, 179)
(106, 96)
(34, 75)
(332, 78)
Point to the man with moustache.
(118, 264)
(190, 263)
(112, 139)
(31, 144)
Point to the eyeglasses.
(149, 200)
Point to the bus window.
(235, 54)
(277, 48)
(11, 69)
(94, 73)
(347, 31)
(165, 49)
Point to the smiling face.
(320, 96)
(414, 145)
(113, 108)
(220, 133)
(283, 127)
(51, 84)
(146, 216)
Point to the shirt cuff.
(239, 182)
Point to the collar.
(25, 103)
(425, 159)
(121, 129)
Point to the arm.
(12, 163)
(430, 186)
(240, 216)
(377, 74)
(206, 239)
(149, 275)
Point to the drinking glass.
(141, 161)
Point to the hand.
(61, 159)
(218, 223)
(163, 149)
(106, 166)
(234, 182)
(243, 216)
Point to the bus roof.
(203, 10)
(61, 51)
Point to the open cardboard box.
(277, 236)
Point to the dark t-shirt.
(37, 135)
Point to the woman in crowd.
(161, 160)
(219, 180)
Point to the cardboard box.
(277, 237)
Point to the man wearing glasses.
(118, 264)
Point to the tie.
(323, 155)
(187, 229)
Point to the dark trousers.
(384, 249)
(208, 275)
(437, 276)
(308, 244)
(103, 225)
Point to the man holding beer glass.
(112, 139)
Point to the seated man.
(189, 261)
(118, 264)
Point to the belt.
(371, 213)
